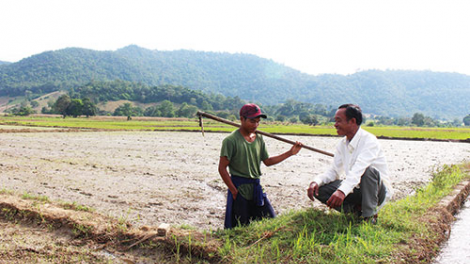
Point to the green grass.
(41, 198)
(5, 191)
(159, 124)
(77, 207)
(458, 133)
(100, 124)
(313, 236)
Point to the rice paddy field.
(109, 123)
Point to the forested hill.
(245, 75)
(390, 93)
(4, 62)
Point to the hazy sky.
(311, 36)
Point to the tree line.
(178, 101)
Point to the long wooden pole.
(216, 118)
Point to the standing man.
(242, 152)
(365, 187)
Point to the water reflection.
(457, 249)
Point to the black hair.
(353, 111)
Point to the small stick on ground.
(147, 237)
(267, 234)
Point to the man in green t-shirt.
(242, 152)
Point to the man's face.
(342, 124)
(250, 125)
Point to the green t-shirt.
(245, 158)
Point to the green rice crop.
(420, 132)
(162, 124)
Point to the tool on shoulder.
(216, 118)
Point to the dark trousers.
(245, 211)
(363, 200)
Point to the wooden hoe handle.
(216, 118)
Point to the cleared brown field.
(171, 177)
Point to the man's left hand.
(336, 199)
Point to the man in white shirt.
(365, 187)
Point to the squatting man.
(365, 187)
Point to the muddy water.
(457, 248)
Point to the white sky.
(311, 36)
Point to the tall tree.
(75, 108)
(186, 110)
(89, 108)
(124, 110)
(166, 108)
(418, 119)
(466, 120)
(62, 104)
(128, 110)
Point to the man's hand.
(336, 199)
(223, 164)
(312, 189)
(296, 148)
(234, 194)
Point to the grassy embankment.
(162, 124)
(408, 231)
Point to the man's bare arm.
(276, 159)
(223, 164)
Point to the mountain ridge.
(389, 93)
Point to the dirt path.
(153, 177)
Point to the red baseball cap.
(251, 111)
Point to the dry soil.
(149, 178)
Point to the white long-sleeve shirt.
(352, 158)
